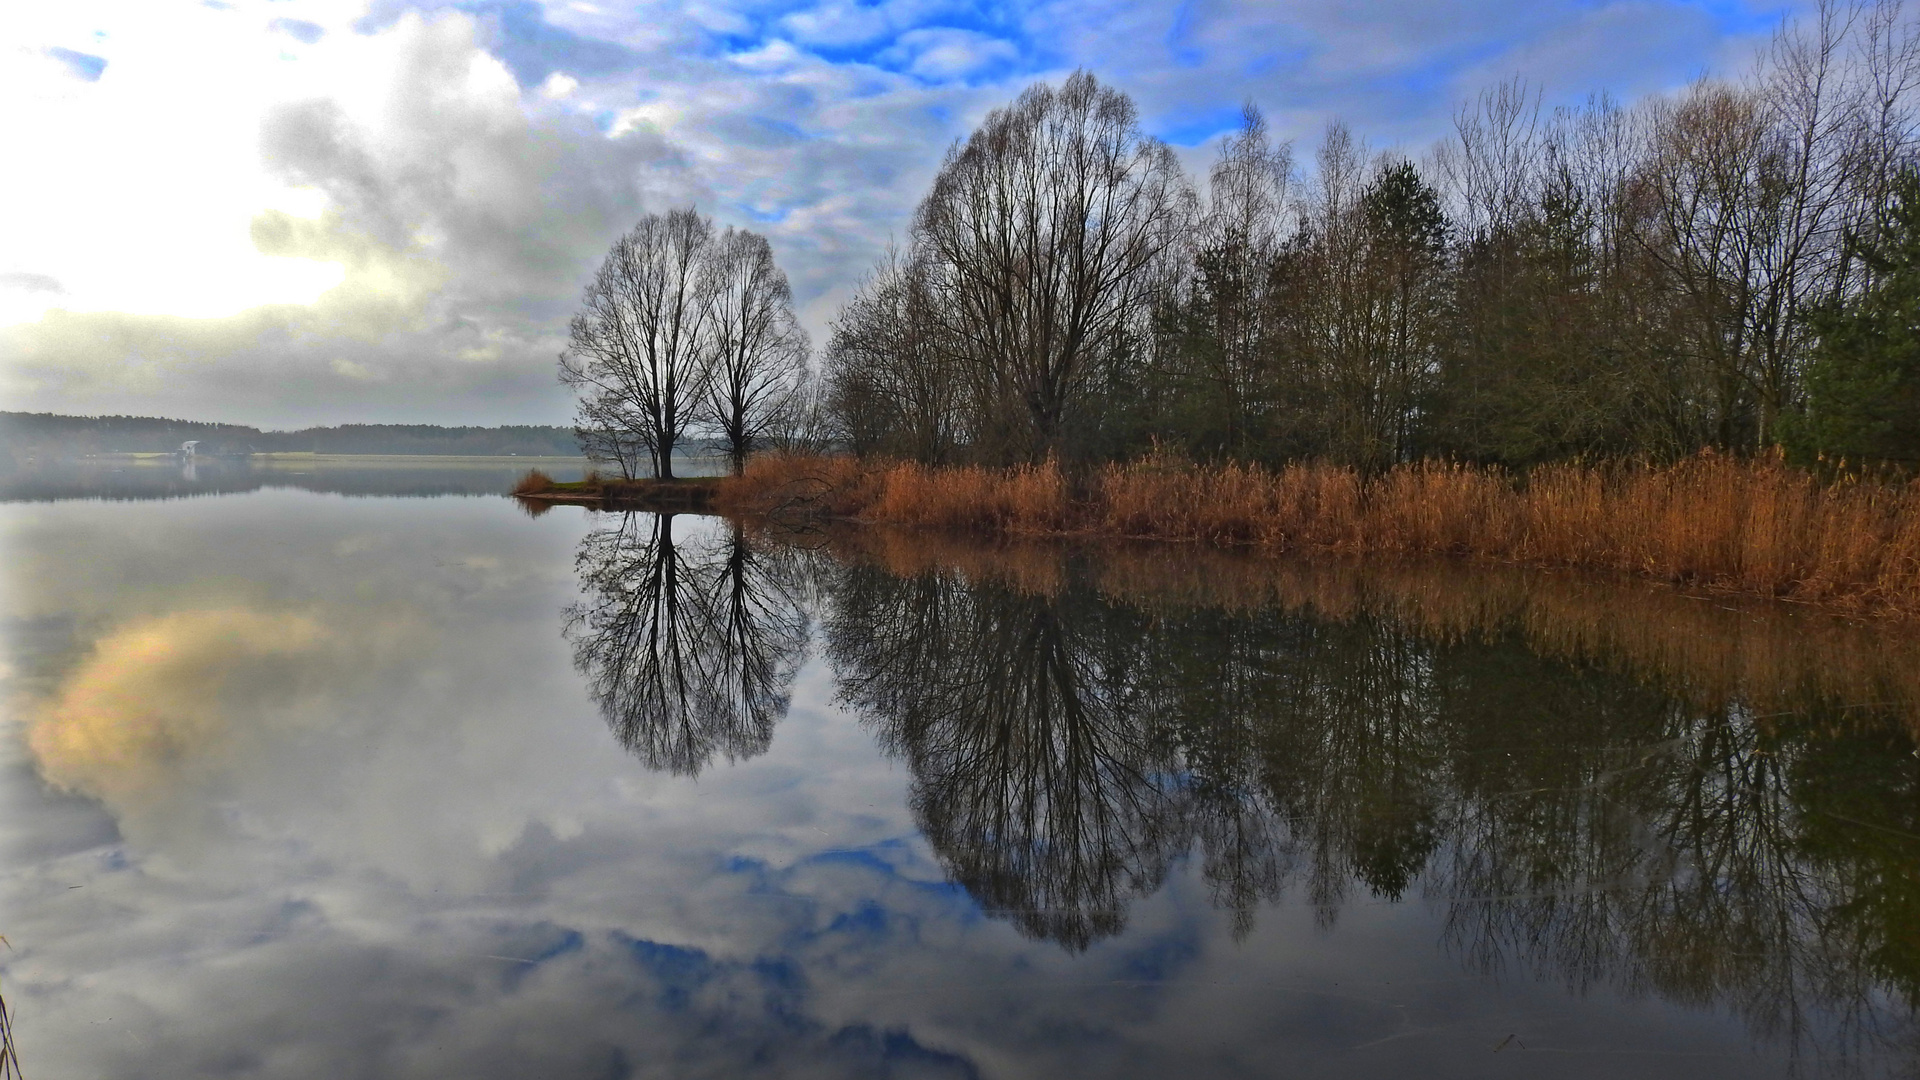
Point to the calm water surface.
(297, 784)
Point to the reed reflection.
(1579, 821)
(689, 644)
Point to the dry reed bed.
(1758, 527)
(1704, 651)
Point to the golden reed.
(1752, 526)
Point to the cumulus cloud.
(944, 54)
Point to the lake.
(412, 783)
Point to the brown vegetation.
(537, 489)
(1714, 522)
(534, 483)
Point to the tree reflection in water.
(1587, 803)
(1019, 718)
(689, 644)
(1577, 824)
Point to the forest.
(1734, 266)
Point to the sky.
(292, 212)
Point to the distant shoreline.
(308, 455)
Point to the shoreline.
(695, 494)
(1710, 524)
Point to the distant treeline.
(49, 435)
(1733, 266)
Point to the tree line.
(1735, 266)
(40, 436)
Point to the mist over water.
(297, 785)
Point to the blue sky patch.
(680, 971)
(1179, 38)
(869, 919)
(299, 29)
(1196, 128)
(771, 216)
(82, 65)
(1740, 17)
(1159, 959)
(533, 48)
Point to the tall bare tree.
(758, 350)
(1039, 233)
(638, 349)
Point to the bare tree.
(1491, 165)
(1039, 233)
(638, 348)
(805, 425)
(758, 350)
(606, 436)
(891, 381)
(1889, 76)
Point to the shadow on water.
(1599, 785)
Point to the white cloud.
(949, 54)
(454, 223)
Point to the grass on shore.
(536, 483)
(1758, 527)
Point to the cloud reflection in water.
(425, 856)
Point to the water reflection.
(689, 644)
(315, 781)
(1588, 803)
(1020, 718)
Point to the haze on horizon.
(294, 212)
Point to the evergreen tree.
(1863, 385)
